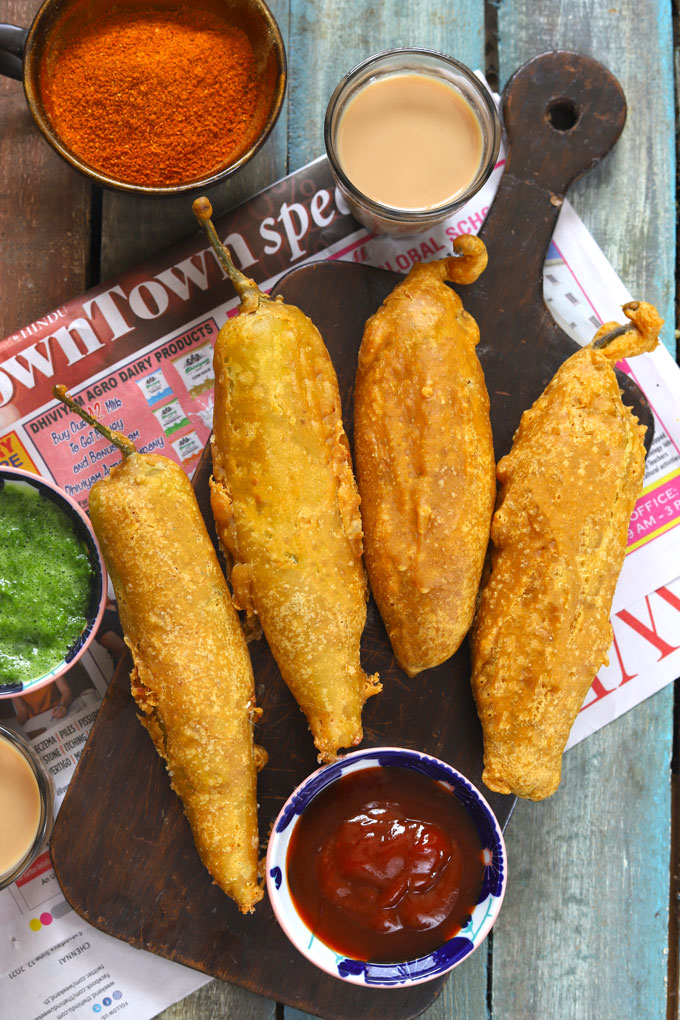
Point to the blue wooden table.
(589, 927)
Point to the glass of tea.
(411, 135)
(26, 806)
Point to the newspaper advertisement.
(137, 352)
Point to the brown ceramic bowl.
(67, 16)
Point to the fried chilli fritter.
(192, 677)
(286, 504)
(424, 459)
(559, 535)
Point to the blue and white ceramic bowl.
(409, 972)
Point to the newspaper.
(137, 351)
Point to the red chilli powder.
(153, 94)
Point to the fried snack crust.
(287, 510)
(192, 676)
(424, 459)
(559, 534)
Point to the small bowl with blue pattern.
(297, 882)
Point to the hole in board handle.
(563, 114)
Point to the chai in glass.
(410, 141)
(20, 807)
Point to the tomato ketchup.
(385, 865)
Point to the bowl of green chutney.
(53, 582)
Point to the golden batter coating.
(286, 507)
(192, 676)
(559, 534)
(424, 457)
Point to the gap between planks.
(673, 988)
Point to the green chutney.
(45, 583)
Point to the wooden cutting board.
(122, 849)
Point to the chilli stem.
(125, 445)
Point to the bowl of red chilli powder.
(155, 97)
(386, 868)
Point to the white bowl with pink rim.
(98, 590)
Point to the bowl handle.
(12, 42)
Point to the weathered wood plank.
(464, 994)
(583, 929)
(673, 1012)
(674, 905)
(44, 209)
(217, 999)
(576, 937)
(328, 39)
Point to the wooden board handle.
(563, 112)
